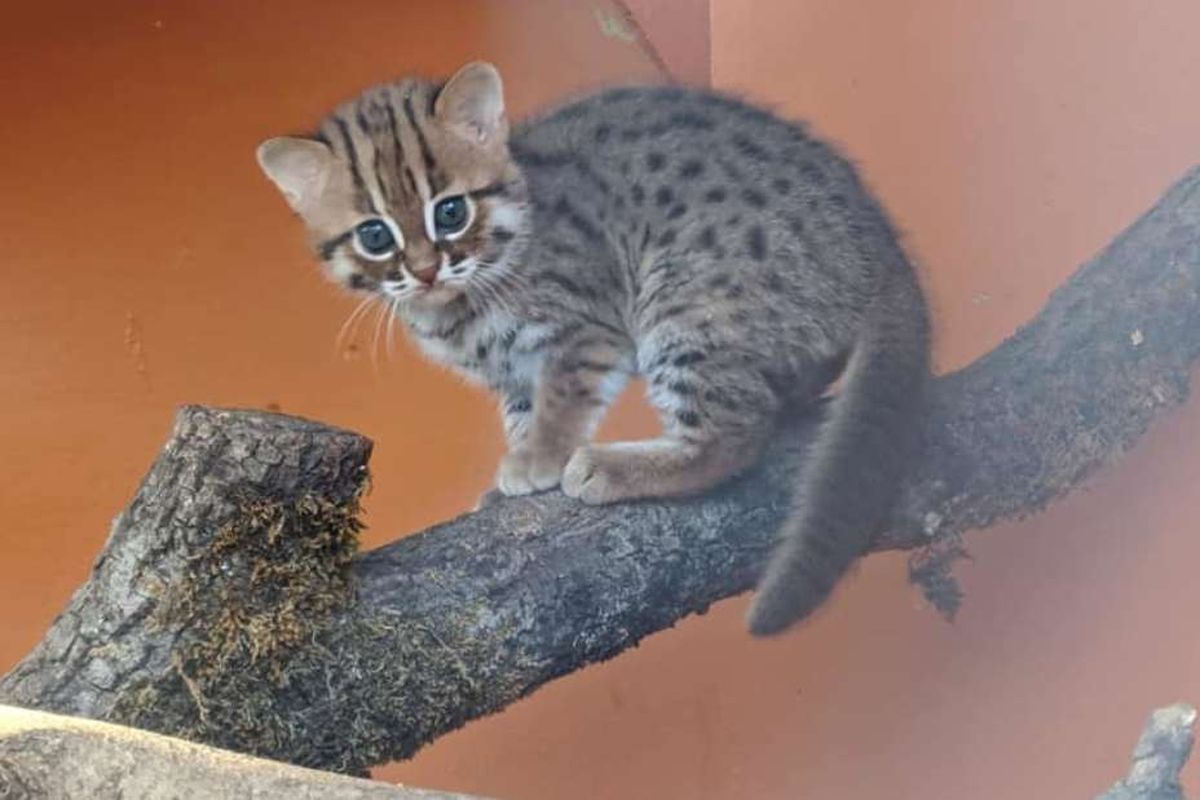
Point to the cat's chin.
(437, 295)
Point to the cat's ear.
(472, 103)
(299, 167)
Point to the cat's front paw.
(595, 477)
(529, 470)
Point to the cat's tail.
(850, 480)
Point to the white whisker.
(379, 322)
(339, 340)
(390, 335)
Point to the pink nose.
(426, 276)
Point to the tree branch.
(226, 608)
(1161, 752)
(47, 756)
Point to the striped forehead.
(384, 138)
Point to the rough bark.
(1162, 750)
(46, 756)
(464, 618)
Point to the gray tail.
(851, 478)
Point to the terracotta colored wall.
(678, 32)
(145, 263)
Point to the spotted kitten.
(726, 255)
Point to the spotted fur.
(726, 255)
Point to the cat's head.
(408, 191)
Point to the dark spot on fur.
(734, 220)
(708, 237)
(813, 174)
(602, 133)
(576, 220)
(520, 405)
(689, 419)
(631, 134)
(735, 292)
(755, 198)
(677, 211)
(616, 95)
(674, 311)
(781, 185)
(688, 358)
(638, 194)
(774, 282)
(717, 194)
(562, 249)
(718, 281)
(357, 281)
(663, 196)
(692, 121)
(719, 399)
(692, 168)
(502, 234)
(481, 351)
(757, 114)
(750, 148)
(655, 161)
(666, 238)
(681, 388)
(756, 241)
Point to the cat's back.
(675, 158)
(693, 137)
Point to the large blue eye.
(375, 238)
(451, 215)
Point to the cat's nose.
(426, 276)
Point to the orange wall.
(145, 263)
(678, 31)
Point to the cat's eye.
(451, 215)
(375, 239)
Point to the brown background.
(144, 263)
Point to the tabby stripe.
(378, 190)
(434, 93)
(587, 366)
(401, 160)
(329, 246)
(352, 157)
(426, 154)
(491, 190)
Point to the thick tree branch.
(45, 756)
(219, 609)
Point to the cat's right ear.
(472, 103)
(299, 167)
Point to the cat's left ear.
(472, 103)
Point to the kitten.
(726, 255)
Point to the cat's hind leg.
(717, 410)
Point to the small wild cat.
(726, 255)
